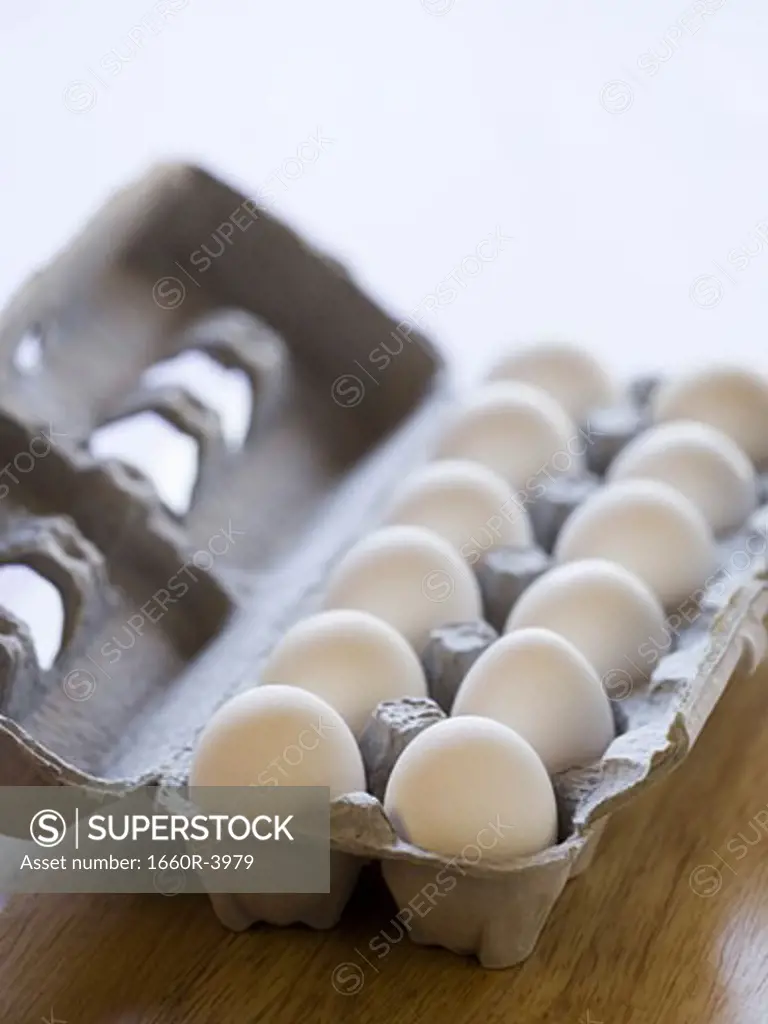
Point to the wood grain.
(630, 942)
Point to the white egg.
(468, 784)
(350, 659)
(605, 611)
(540, 685)
(517, 430)
(732, 399)
(467, 504)
(701, 462)
(278, 735)
(410, 578)
(650, 529)
(568, 372)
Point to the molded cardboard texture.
(139, 673)
(332, 431)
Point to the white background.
(446, 124)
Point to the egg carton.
(162, 625)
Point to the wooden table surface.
(631, 942)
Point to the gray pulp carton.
(332, 430)
(497, 911)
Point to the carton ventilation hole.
(226, 391)
(34, 600)
(28, 356)
(149, 443)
